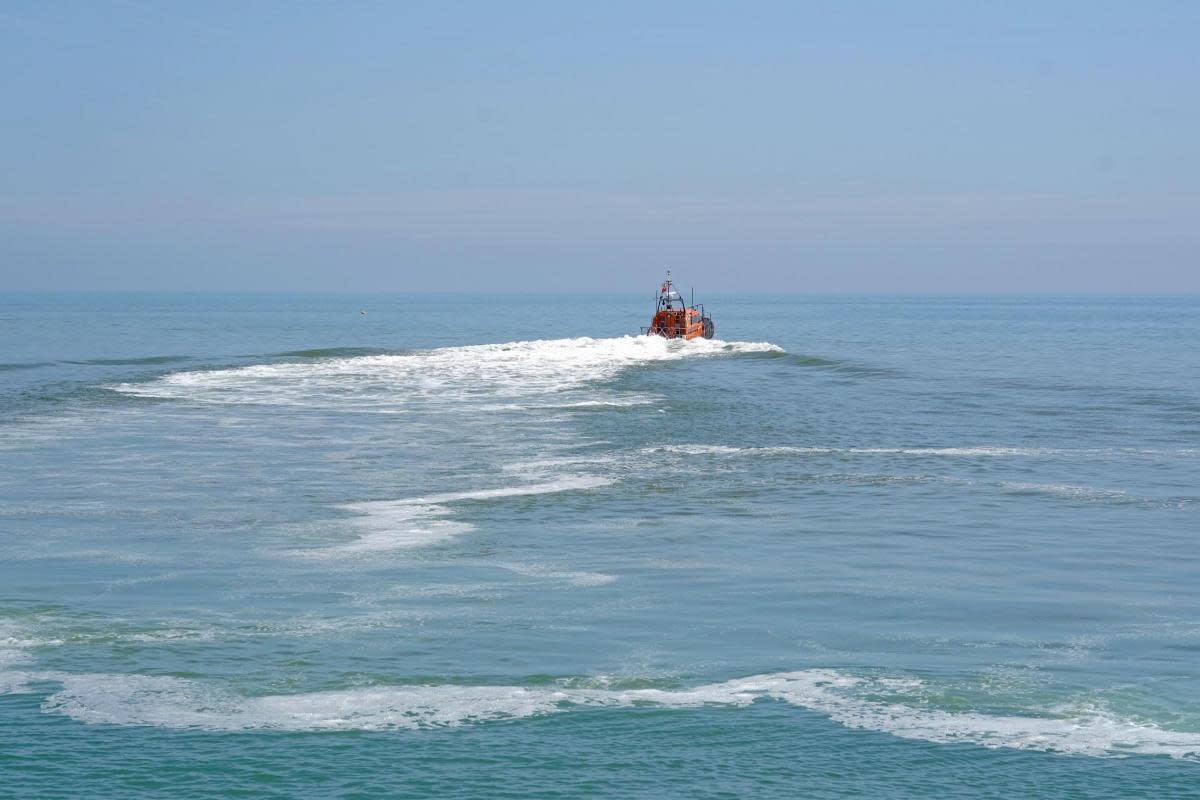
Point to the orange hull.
(677, 324)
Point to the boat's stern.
(673, 319)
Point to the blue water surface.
(460, 545)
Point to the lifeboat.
(674, 319)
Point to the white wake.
(486, 372)
(855, 702)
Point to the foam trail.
(573, 577)
(394, 526)
(178, 703)
(848, 700)
(544, 464)
(418, 521)
(566, 484)
(477, 372)
(1083, 732)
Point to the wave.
(482, 372)
(878, 704)
(130, 362)
(842, 367)
(335, 352)
(1067, 491)
(24, 365)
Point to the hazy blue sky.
(841, 146)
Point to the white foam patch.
(393, 525)
(1087, 731)
(621, 403)
(572, 577)
(419, 521)
(177, 703)
(485, 372)
(851, 701)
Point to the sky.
(562, 147)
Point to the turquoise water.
(884, 546)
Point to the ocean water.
(463, 546)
